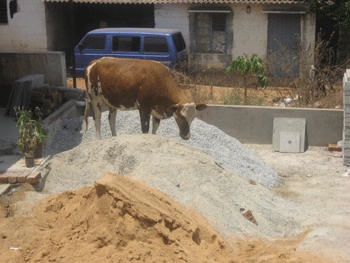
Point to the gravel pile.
(226, 150)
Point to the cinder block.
(288, 126)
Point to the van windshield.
(94, 42)
(179, 42)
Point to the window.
(126, 44)
(156, 45)
(3, 12)
(94, 42)
(211, 32)
(179, 42)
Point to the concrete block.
(289, 142)
(288, 125)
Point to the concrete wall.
(15, 65)
(255, 124)
(26, 31)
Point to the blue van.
(164, 45)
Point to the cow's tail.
(86, 114)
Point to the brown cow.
(130, 84)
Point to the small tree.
(253, 65)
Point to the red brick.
(248, 214)
(334, 147)
(4, 178)
(12, 177)
(33, 177)
(22, 177)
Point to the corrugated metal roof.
(181, 1)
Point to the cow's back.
(124, 83)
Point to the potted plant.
(31, 134)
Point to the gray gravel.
(226, 150)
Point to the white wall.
(173, 16)
(26, 31)
(249, 31)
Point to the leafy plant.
(254, 66)
(338, 10)
(31, 133)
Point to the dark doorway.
(88, 17)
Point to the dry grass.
(325, 91)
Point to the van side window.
(156, 45)
(179, 42)
(126, 44)
(94, 42)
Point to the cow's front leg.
(145, 117)
(111, 117)
(155, 124)
(97, 117)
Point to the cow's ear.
(201, 106)
(173, 108)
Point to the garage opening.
(90, 16)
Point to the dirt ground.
(271, 96)
(89, 225)
(317, 180)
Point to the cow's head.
(184, 115)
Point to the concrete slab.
(4, 188)
(9, 134)
(289, 142)
(16, 164)
(297, 125)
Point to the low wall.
(255, 124)
(15, 65)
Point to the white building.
(216, 31)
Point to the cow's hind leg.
(97, 117)
(86, 114)
(145, 117)
(111, 117)
(155, 124)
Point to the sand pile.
(187, 174)
(122, 220)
